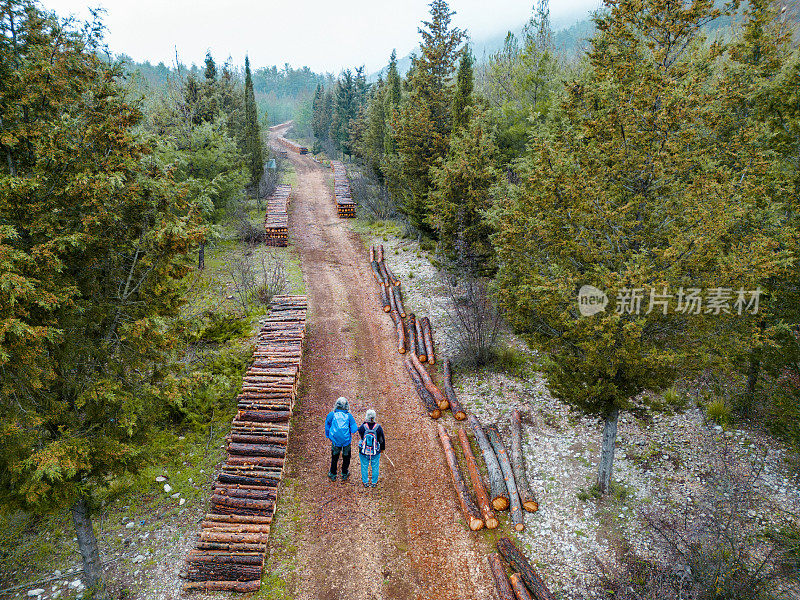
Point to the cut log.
(376, 272)
(438, 396)
(526, 495)
(424, 395)
(240, 558)
(241, 587)
(392, 277)
(398, 300)
(420, 342)
(257, 450)
(379, 253)
(252, 494)
(248, 503)
(237, 518)
(392, 302)
(497, 485)
(235, 528)
(401, 336)
(427, 337)
(385, 299)
(263, 416)
(264, 461)
(514, 557)
(500, 578)
(458, 411)
(477, 483)
(471, 512)
(508, 475)
(384, 272)
(371, 253)
(231, 547)
(520, 591)
(411, 323)
(211, 535)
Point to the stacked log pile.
(341, 191)
(293, 146)
(229, 554)
(276, 221)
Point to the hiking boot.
(366, 485)
(345, 476)
(332, 476)
(374, 484)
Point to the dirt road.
(403, 539)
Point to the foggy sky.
(324, 35)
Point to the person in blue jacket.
(339, 429)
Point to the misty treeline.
(281, 94)
(661, 166)
(106, 197)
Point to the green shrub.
(718, 411)
(511, 361)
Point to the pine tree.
(92, 246)
(462, 98)
(255, 151)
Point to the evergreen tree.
(391, 98)
(628, 195)
(461, 196)
(422, 126)
(373, 141)
(316, 112)
(523, 83)
(345, 109)
(393, 83)
(254, 146)
(462, 99)
(211, 68)
(92, 248)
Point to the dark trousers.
(345, 452)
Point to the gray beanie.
(341, 402)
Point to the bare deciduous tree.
(727, 542)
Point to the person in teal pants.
(373, 442)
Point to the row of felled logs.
(345, 205)
(276, 220)
(229, 553)
(509, 486)
(293, 146)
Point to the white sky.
(325, 35)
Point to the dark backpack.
(370, 445)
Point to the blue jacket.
(340, 427)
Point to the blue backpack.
(340, 426)
(370, 445)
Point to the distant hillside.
(568, 39)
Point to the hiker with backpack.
(339, 429)
(373, 442)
